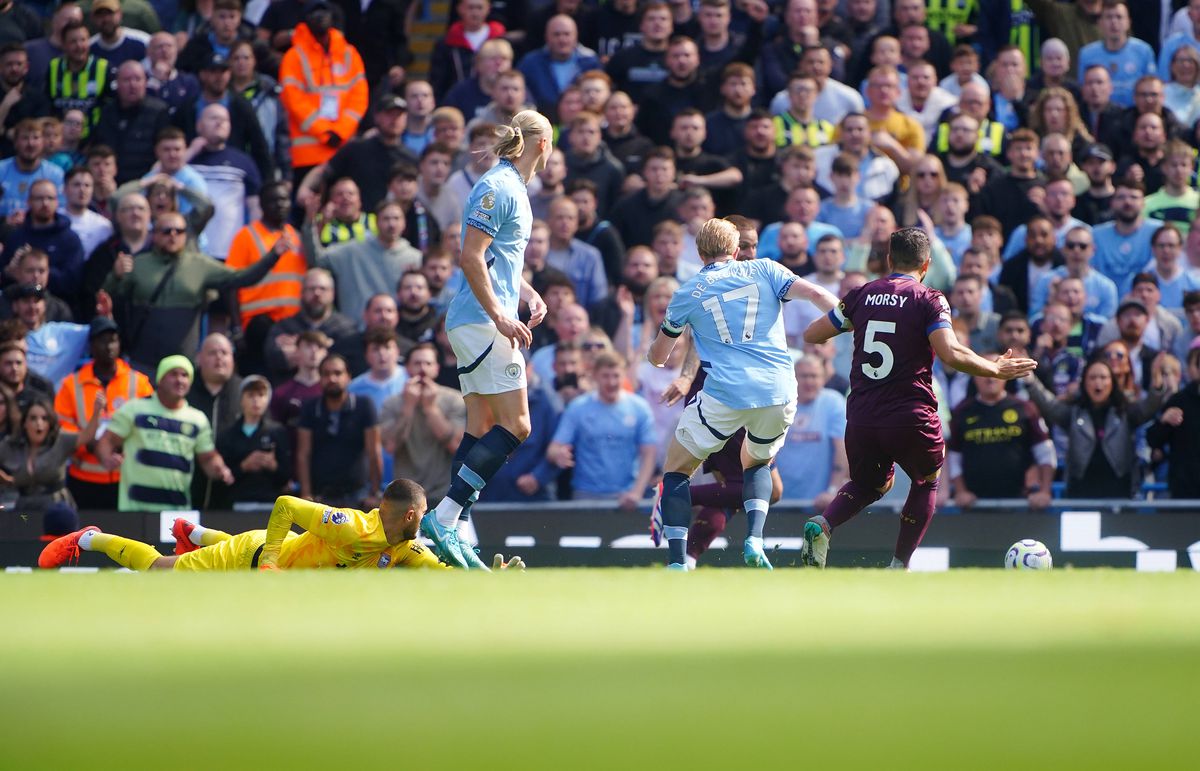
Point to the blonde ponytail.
(510, 139)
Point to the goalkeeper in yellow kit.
(333, 538)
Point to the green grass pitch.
(603, 669)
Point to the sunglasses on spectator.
(1118, 355)
(172, 231)
(1076, 245)
(923, 174)
(592, 346)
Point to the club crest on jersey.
(1009, 416)
(384, 560)
(488, 201)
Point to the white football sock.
(85, 540)
(447, 513)
(197, 535)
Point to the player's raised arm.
(955, 354)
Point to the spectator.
(361, 267)
(1008, 197)
(19, 97)
(550, 180)
(262, 92)
(418, 317)
(432, 191)
(232, 178)
(1074, 23)
(32, 266)
(454, 55)
(1191, 313)
(384, 377)
(981, 325)
(77, 79)
(878, 174)
(216, 393)
(102, 162)
(1176, 201)
(163, 79)
(757, 157)
(1160, 329)
(131, 123)
(570, 326)
(1059, 367)
(797, 125)
(93, 229)
(316, 314)
(153, 442)
(636, 214)
(595, 231)
(649, 381)
(1094, 206)
(223, 31)
(257, 449)
(919, 202)
(423, 426)
(958, 144)
(580, 262)
(549, 69)
(438, 267)
(802, 207)
(34, 461)
(53, 349)
(1039, 257)
(45, 229)
(245, 133)
(311, 348)
(621, 135)
(636, 67)
(1127, 57)
(1078, 250)
(480, 158)
(924, 101)
(342, 219)
(1174, 279)
(43, 49)
(369, 161)
(509, 98)
(589, 159)
(420, 229)
(1174, 433)
(952, 229)
(726, 125)
(1101, 422)
(277, 296)
(418, 131)
(93, 486)
(338, 458)
(900, 137)
(112, 41)
(1057, 204)
(471, 95)
(15, 374)
(166, 289)
(1123, 245)
(132, 237)
(1145, 159)
(324, 102)
(812, 462)
(27, 166)
(1180, 95)
(997, 444)
(607, 437)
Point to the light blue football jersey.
(499, 206)
(735, 312)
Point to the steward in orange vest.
(278, 295)
(91, 484)
(324, 87)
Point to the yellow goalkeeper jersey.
(342, 538)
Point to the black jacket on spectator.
(341, 329)
(65, 250)
(1092, 209)
(960, 174)
(1007, 199)
(635, 69)
(635, 215)
(245, 132)
(33, 104)
(378, 34)
(630, 150)
(368, 162)
(615, 30)
(1105, 125)
(707, 163)
(131, 133)
(420, 330)
(1152, 174)
(1182, 443)
(662, 101)
(1015, 275)
(604, 236)
(56, 309)
(199, 48)
(603, 169)
(255, 486)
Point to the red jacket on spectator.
(454, 59)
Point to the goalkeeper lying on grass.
(333, 538)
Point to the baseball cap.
(58, 520)
(1132, 305)
(391, 102)
(106, 5)
(215, 62)
(100, 325)
(312, 6)
(1098, 150)
(22, 291)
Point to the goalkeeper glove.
(516, 563)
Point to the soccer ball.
(1028, 555)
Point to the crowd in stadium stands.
(268, 189)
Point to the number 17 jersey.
(891, 377)
(734, 310)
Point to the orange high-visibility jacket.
(323, 91)
(279, 293)
(77, 394)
